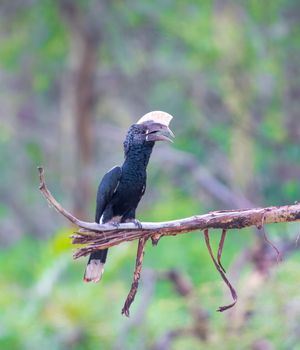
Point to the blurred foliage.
(229, 73)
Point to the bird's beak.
(159, 132)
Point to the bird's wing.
(106, 189)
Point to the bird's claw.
(115, 224)
(136, 223)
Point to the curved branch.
(95, 236)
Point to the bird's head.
(152, 127)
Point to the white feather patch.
(157, 117)
(94, 271)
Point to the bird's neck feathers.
(137, 156)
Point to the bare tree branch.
(95, 236)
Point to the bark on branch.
(93, 236)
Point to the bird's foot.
(136, 223)
(115, 224)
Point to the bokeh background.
(73, 76)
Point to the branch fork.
(93, 236)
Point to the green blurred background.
(73, 76)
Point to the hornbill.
(122, 187)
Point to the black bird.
(122, 188)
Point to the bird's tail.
(95, 266)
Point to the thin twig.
(221, 244)
(268, 241)
(136, 276)
(232, 290)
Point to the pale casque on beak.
(157, 123)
